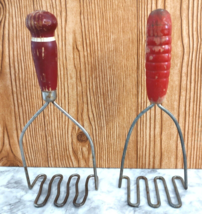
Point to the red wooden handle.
(158, 54)
(42, 25)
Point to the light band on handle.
(43, 39)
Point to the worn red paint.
(43, 24)
(158, 54)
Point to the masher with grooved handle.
(158, 56)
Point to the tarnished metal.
(49, 96)
(43, 176)
(184, 182)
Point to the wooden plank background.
(101, 47)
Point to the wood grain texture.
(102, 84)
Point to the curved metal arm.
(21, 141)
(127, 141)
(87, 135)
(182, 143)
(181, 139)
(75, 122)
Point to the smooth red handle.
(42, 25)
(158, 54)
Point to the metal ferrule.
(49, 96)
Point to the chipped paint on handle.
(42, 25)
(158, 54)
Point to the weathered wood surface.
(101, 83)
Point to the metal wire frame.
(30, 186)
(184, 182)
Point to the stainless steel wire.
(36, 204)
(87, 135)
(127, 141)
(182, 144)
(44, 177)
(184, 182)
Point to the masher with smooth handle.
(42, 25)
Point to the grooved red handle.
(158, 54)
(42, 25)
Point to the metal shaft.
(21, 141)
(127, 141)
(87, 135)
(182, 144)
(30, 185)
(184, 182)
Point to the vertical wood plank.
(9, 150)
(25, 87)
